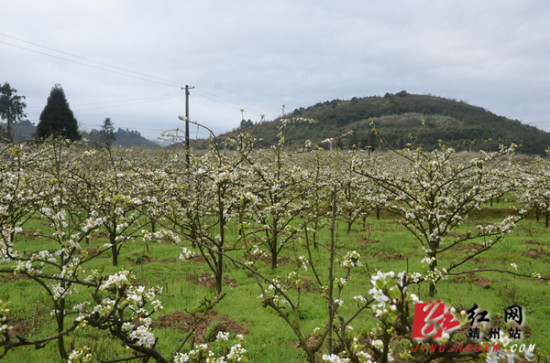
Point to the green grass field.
(386, 246)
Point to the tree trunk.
(10, 138)
(114, 250)
(433, 266)
(273, 245)
(219, 274)
(432, 290)
(274, 258)
(330, 273)
(153, 224)
(60, 326)
(219, 261)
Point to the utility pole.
(187, 88)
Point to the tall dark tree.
(11, 106)
(107, 133)
(57, 119)
(245, 123)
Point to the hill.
(124, 137)
(24, 130)
(405, 118)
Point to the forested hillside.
(406, 118)
(24, 130)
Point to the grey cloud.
(259, 55)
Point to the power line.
(218, 99)
(114, 69)
(122, 104)
(121, 71)
(118, 103)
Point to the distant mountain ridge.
(24, 130)
(405, 118)
(124, 138)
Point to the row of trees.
(274, 198)
(56, 119)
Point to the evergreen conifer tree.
(107, 133)
(57, 119)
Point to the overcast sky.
(128, 60)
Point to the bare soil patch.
(369, 241)
(532, 242)
(198, 258)
(479, 261)
(388, 255)
(209, 280)
(475, 247)
(15, 277)
(203, 333)
(309, 286)
(92, 251)
(535, 253)
(19, 327)
(100, 235)
(475, 279)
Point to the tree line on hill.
(57, 120)
(403, 118)
(398, 120)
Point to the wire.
(121, 71)
(109, 104)
(116, 70)
(218, 99)
(123, 103)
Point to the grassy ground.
(387, 246)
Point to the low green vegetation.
(386, 244)
(113, 254)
